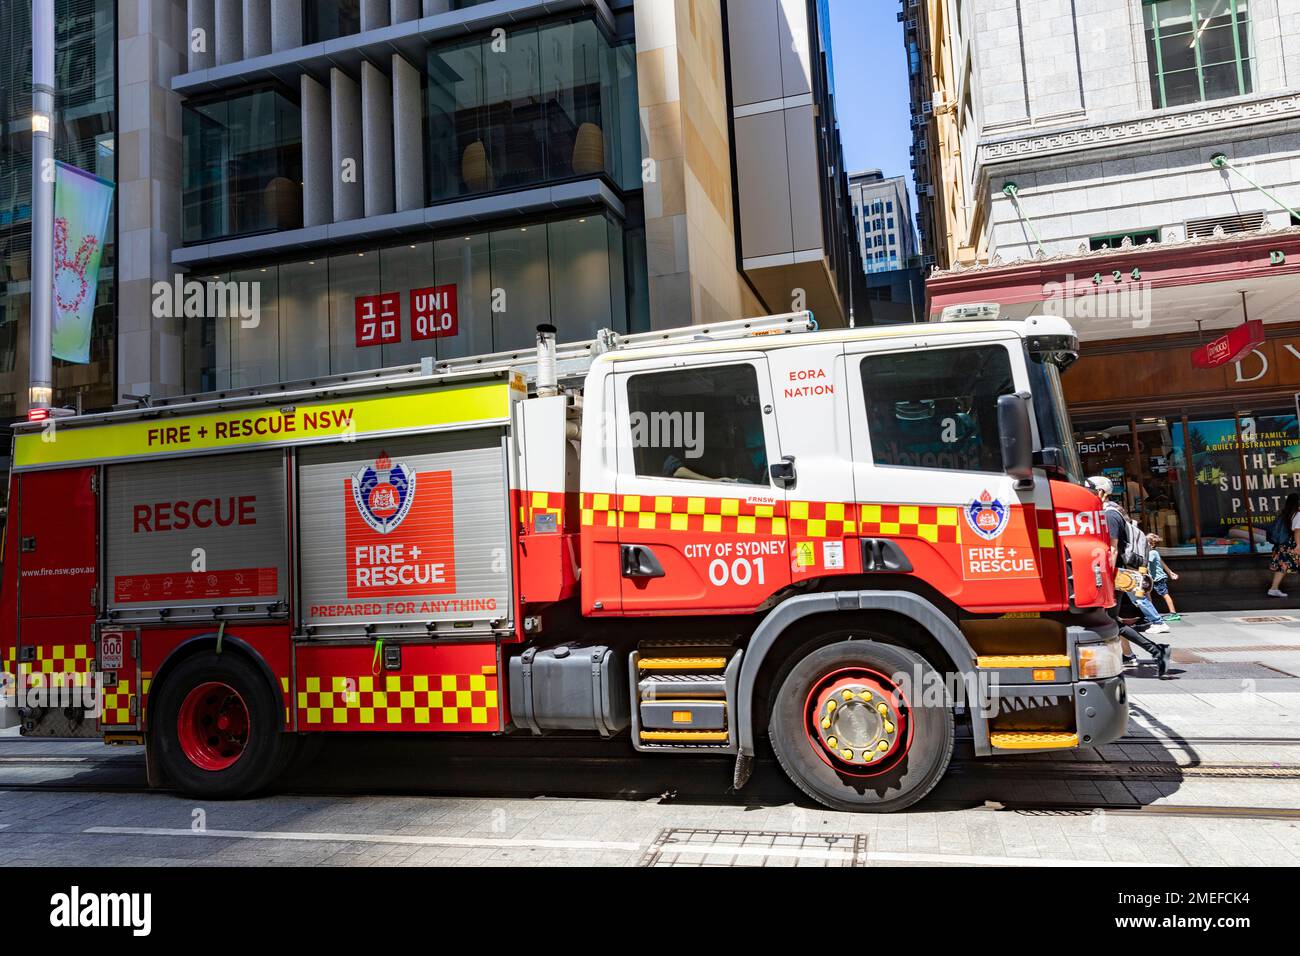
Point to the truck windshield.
(1054, 428)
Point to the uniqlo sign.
(433, 312)
(379, 319)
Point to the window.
(937, 409)
(698, 423)
(1138, 237)
(1238, 471)
(330, 19)
(242, 166)
(558, 102)
(1197, 50)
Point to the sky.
(871, 97)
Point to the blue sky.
(871, 97)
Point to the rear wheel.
(851, 729)
(218, 727)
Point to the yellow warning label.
(805, 555)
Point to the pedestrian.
(1118, 525)
(1161, 575)
(1284, 535)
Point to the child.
(1160, 575)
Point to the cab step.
(668, 686)
(684, 696)
(682, 663)
(1033, 740)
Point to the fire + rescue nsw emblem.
(987, 516)
(383, 493)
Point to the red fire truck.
(848, 546)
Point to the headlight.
(1101, 660)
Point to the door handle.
(640, 562)
(783, 472)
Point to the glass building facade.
(535, 104)
(85, 78)
(456, 295)
(242, 166)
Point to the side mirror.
(1016, 437)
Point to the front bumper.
(1029, 713)
(1100, 710)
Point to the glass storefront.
(1207, 484)
(463, 294)
(84, 121)
(241, 166)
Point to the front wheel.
(852, 729)
(218, 727)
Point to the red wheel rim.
(858, 721)
(213, 726)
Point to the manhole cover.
(682, 846)
(1265, 619)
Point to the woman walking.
(1285, 536)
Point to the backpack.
(1279, 532)
(1133, 549)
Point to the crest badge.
(383, 493)
(987, 516)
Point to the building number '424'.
(1118, 276)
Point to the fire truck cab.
(846, 546)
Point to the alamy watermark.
(1117, 294)
(675, 430)
(208, 298)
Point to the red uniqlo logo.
(379, 319)
(433, 312)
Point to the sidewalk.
(1235, 674)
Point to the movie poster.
(1240, 482)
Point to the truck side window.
(704, 424)
(937, 409)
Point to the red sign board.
(399, 535)
(379, 319)
(433, 312)
(1228, 348)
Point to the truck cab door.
(931, 486)
(702, 525)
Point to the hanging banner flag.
(1230, 347)
(81, 205)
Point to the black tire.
(263, 754)
(908, 780)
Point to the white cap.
(1102, 485)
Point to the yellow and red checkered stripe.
(74, 660)
(425, 700)
(799, 519)
(115, 704)
(938, 524)
(535, 503)
(680, 513)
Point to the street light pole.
(40, 393)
